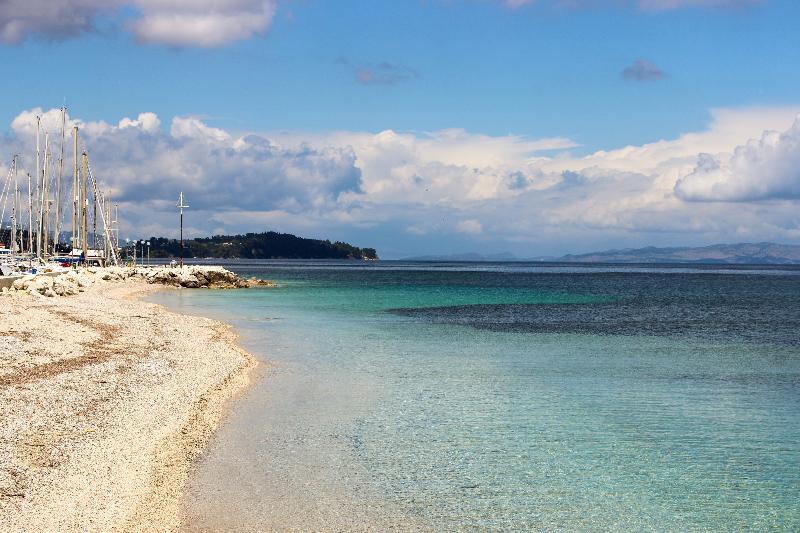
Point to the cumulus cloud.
(53, 19)
(765, 168)
(643, 70)
(205, 23)
(148, 122)
(533, 196)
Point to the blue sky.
(334, 75)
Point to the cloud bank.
(452, 189)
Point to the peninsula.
(268, 245)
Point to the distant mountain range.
(762, 253)
(742, 253)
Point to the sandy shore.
(104, 402)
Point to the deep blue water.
(508, 397)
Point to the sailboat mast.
(46, 197)
(30, 214)
(94, 211)
(106, 224)
(75, 192)
(38, 190)
(59, 214)
(84, 206)
(116, 227)
(14, 211)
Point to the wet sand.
(105, 401)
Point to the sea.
(506, 397)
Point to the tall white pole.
(14, 213)
(85, 205)
(75, 190)
(30, 215)
(47, 178)
(59, 213)
(38, 181)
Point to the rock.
(188, 280)
(255, 282)
(22, 283)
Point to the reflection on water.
(508, 398)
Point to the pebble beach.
(106, 400)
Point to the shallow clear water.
(508, 396)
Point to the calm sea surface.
(443, 396)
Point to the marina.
(44, 244)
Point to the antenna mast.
(181, 206)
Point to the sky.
(536, 127)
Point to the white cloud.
(204, 23)
(190, 127)
(765, 168)
(55, 19)
(148, 122)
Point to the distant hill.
(762, 253)
(743, 253)
(269, 245)
(474, 257)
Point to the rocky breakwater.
(76, 281)
(195, 277)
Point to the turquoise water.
(508, 397)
